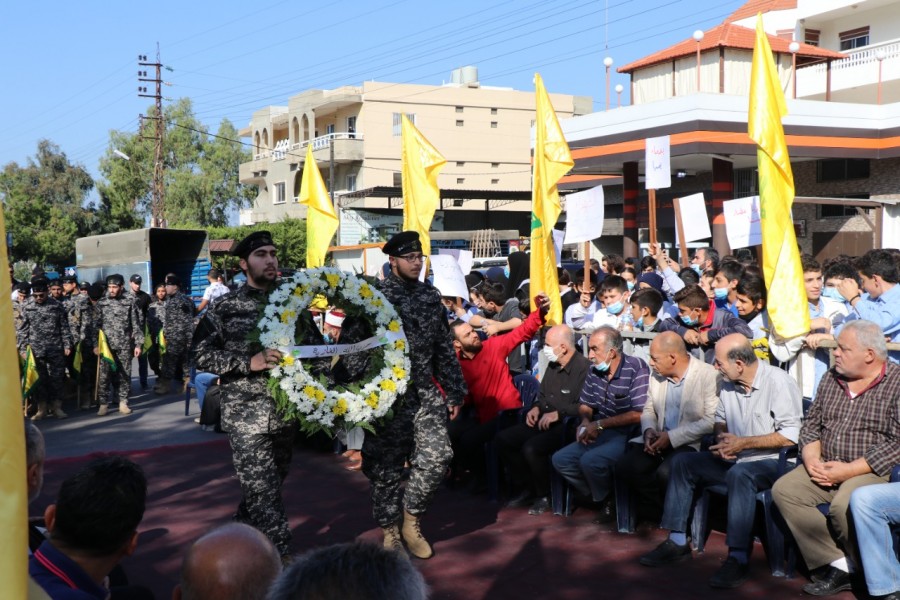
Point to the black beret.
(172, 279)
(24, 287)
(403, 243)
(255, 240)
(95, 291)
(55, 283)
(39, 284)
(68, 279)
(136, 278)
(115, 279)
(84, 285)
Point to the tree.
(201, 172)
(289, 236)
(46, 207)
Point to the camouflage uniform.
(261, 441)
(87, 333)
(118, 318)
(418, 430)
(178, 326)
(156, 316)
(44, 327)
(75, 305)
(141, 300)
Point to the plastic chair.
(626, 506)
(562, 496)
(528, 387)
(188, 386)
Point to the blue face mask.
(688, 321)
(640, 323)
(696, 269)
(721, 293)
(506, 272)
(832, 293)
(630, 285)
(602, 368)
(616, 308)
(328, 338)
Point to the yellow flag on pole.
(30, 374)
(321, 220)
(782, 269)
(105, 351)
(420, 164)
(552, 160)
(13, 488)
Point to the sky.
(69, 69)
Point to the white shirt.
(214, 290)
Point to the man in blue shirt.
(879, 275)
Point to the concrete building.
(483, 132)
(842, 81)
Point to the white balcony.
(855, 79)
(348, 147)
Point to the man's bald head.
(233, 562)
(735, 358)
(668, 354)
(670, 343)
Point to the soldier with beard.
(418, 431)
(117, 316)
(261, 440)
(178, 327)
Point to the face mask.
(721, 293)
(696, 269)
(506, 272)
(550, 354)
(630, 285)
(616, 308)
(640, 323)
(832, 293)
(688, 321)
(328, 338)
(602, 368)
(749, 316)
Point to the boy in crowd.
(751, 306)
(613, 295)
(702, 324)
(879, 274)
(725, 285)
(646, 305)
(583, 311)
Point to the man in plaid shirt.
(850, 438)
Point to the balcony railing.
(858, 69)
(323, 141)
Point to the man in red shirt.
(490, 384)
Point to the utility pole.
(157, 203)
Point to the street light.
(698, 37)
(794, 47)
(608, 61)
(121, 154)
(879, 56)
(619, 90)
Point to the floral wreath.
(317, 404)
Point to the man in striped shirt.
(611, 403)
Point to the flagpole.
(97, 381)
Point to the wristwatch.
(599, 426)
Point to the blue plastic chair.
(187, 391)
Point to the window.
(493, 124)
(842, 169)
(460, 163)
(495, 181)
(279, 193)
(459, 109)
(351, 183)
(396, 122)
(329, 129)
(811, 37)
(495, 165)
(460, 123)
(840, 211)
(351, 127)
(855, 38)
(493, 111)
(460, 180)
(398, 179)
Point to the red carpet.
(481, 550)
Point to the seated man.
(849, 439)
(92, 526)
(876, 508)
(759, 413)
(702, 324)
(680, 410)
(490, 384)
(525, 448)
(233, 562)
(610, 407)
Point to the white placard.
(558, 236)
(584, 215)
(448, 277)
(463, 257)
(694, 219)
(657, 167)
(742, 222)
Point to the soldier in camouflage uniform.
(418, 431)
(141, 300)
(117, 316)
(42, 325)
(261, 440)
(156, 315)
(74, 302)
(88, 333)
(178, 327)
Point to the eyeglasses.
(413, 258)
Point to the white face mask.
(550, 354)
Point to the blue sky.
(69, 69)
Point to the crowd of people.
(711, 397)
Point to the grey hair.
(743, 353)
(870, 336)
(353, 571)
(35, 450)
(611, 338)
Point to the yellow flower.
(400, 345)
(365, 291)
(288, 316)
(394, 326)
(287, 360)
(372, 401)
(399, 373)
(309, 391)
(333, 280)
(377, 303)
(300, 290)
(388, 385)
(320, 395)
(340, 407)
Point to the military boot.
(412, 535)
(58, 411)
(123, 408)
(41, 412)
(104, 408)
(392, 539)
(162, 386)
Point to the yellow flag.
(321, 221)
(782, 269)
(552, 160)
(148, 341)
(13, 488)
(30, 375)
(161, 342)
(420, 164)
(105, 351)
(78, 360)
